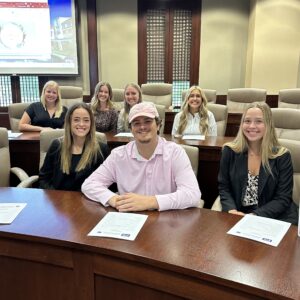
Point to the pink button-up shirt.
(167, 174)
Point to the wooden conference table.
(25, 153)
(46, 254)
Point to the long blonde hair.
(58, 104)
(126, 105)
(95, 101)
(270, 147)
(91, 148)
(203, 112)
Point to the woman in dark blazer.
(72, 158)
(256, 172)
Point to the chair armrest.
(25, 180)
(201, 203)
(28, 182)
(217, 206)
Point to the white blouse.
(192, 126)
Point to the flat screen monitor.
(38, 37)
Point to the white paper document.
(124, 134)
(193, 137)
(264, 230)
(9, 211)
(118, 225)
(12, 135)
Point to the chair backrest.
(287, 123)
(4, 158)
(211, 95)
(238, 99)
(71, 95)
(15, 113)
(118, 98)
(47, 137)
(294, 147)
(158, 93)
(289, 98)
(193, 154)
(220, 113)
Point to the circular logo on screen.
(12, 35)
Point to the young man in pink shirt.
(150, 172)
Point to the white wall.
(117, 37)
(224, 35)
(276, 45)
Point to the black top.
(40, 117)
(274, 192)
(52, 177)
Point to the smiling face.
(131, 96)
(194, 100)
(103, 94)
(80, 123)
(253, 125)
(144, 129)
(51, 95)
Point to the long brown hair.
(91, 148)
(95, 101)
(203, 112)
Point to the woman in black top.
(72, 158)
(49, 113)
(256, 172)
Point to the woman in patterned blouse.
(106, 116)
(256, 172)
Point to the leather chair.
(5, 167)
(158, 93)
(71, 95)
(289, 98)
(193, 154)
(294, 147)
(287, 123)
(211, 95)
(15, 113)
(221, 114)
(238, 99)
(118, 98)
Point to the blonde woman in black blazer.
(256, 172)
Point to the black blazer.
(52, 177)
(274, 192)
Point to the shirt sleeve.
(282, 198)
(51, 163)
(30, 111)
(95, 187)
(212, 125)
(187, 192)
(114, 120)
(175, 124)
(226, 196)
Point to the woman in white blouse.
(194, 118)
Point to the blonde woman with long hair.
(256, 172)
(132, 96)
(194, 117)
(105, 115)
(72, 158)
(48, 113)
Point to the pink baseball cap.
(145, 109)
